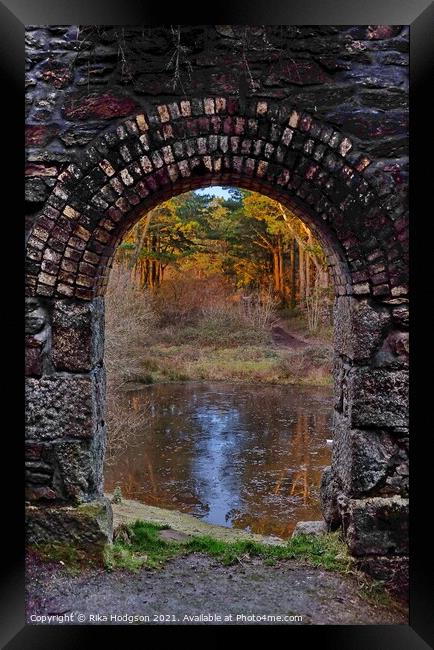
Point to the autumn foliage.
(254, 243)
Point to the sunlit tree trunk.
(142, 273)
(293, 274)
(323, 278)
(276, 271)
(281, 273)
(307, 271)
(301, 274)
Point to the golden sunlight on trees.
(218, 286)
(255, 243)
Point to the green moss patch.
(140, 545)
(72, 558)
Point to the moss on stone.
(91, 509)
(72, 558)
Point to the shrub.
(312, 364)
(318, 308)
(129, 323)
(182, 298)
(205, 310)
(130, 320)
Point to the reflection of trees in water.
(159, 470)
(293, 475)
(301, 477)
(271, 465)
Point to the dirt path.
(199, 585)
(284, 339)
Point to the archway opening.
(218, 358)
(313, 170)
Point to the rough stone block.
(37, 338)
(37, 190)
(328, 499)
(401, 315)
(367, 462)
(87, 526)
(377, 526)
(65, 471)
(104, 106)
(392, 571)
(340, 370)
(378, 397)
(41, 493)
(310, 528)
(62, 406)
(34, 356)
(35, 316)
(394, 352)
(79, 465)
(39, 473)
(359, 327)
(77, 334)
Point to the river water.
(239, 455)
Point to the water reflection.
(233, 454)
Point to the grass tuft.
(145, 548)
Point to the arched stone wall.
(290, 156)
(314, 116)
(295, 157)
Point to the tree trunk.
(301, 275)
(307, 263)
(281, 273)
(323, 279)
(276, 278)
(293, 275)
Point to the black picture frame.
(419, 15)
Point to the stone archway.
(283, 153)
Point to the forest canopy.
(254, 242)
